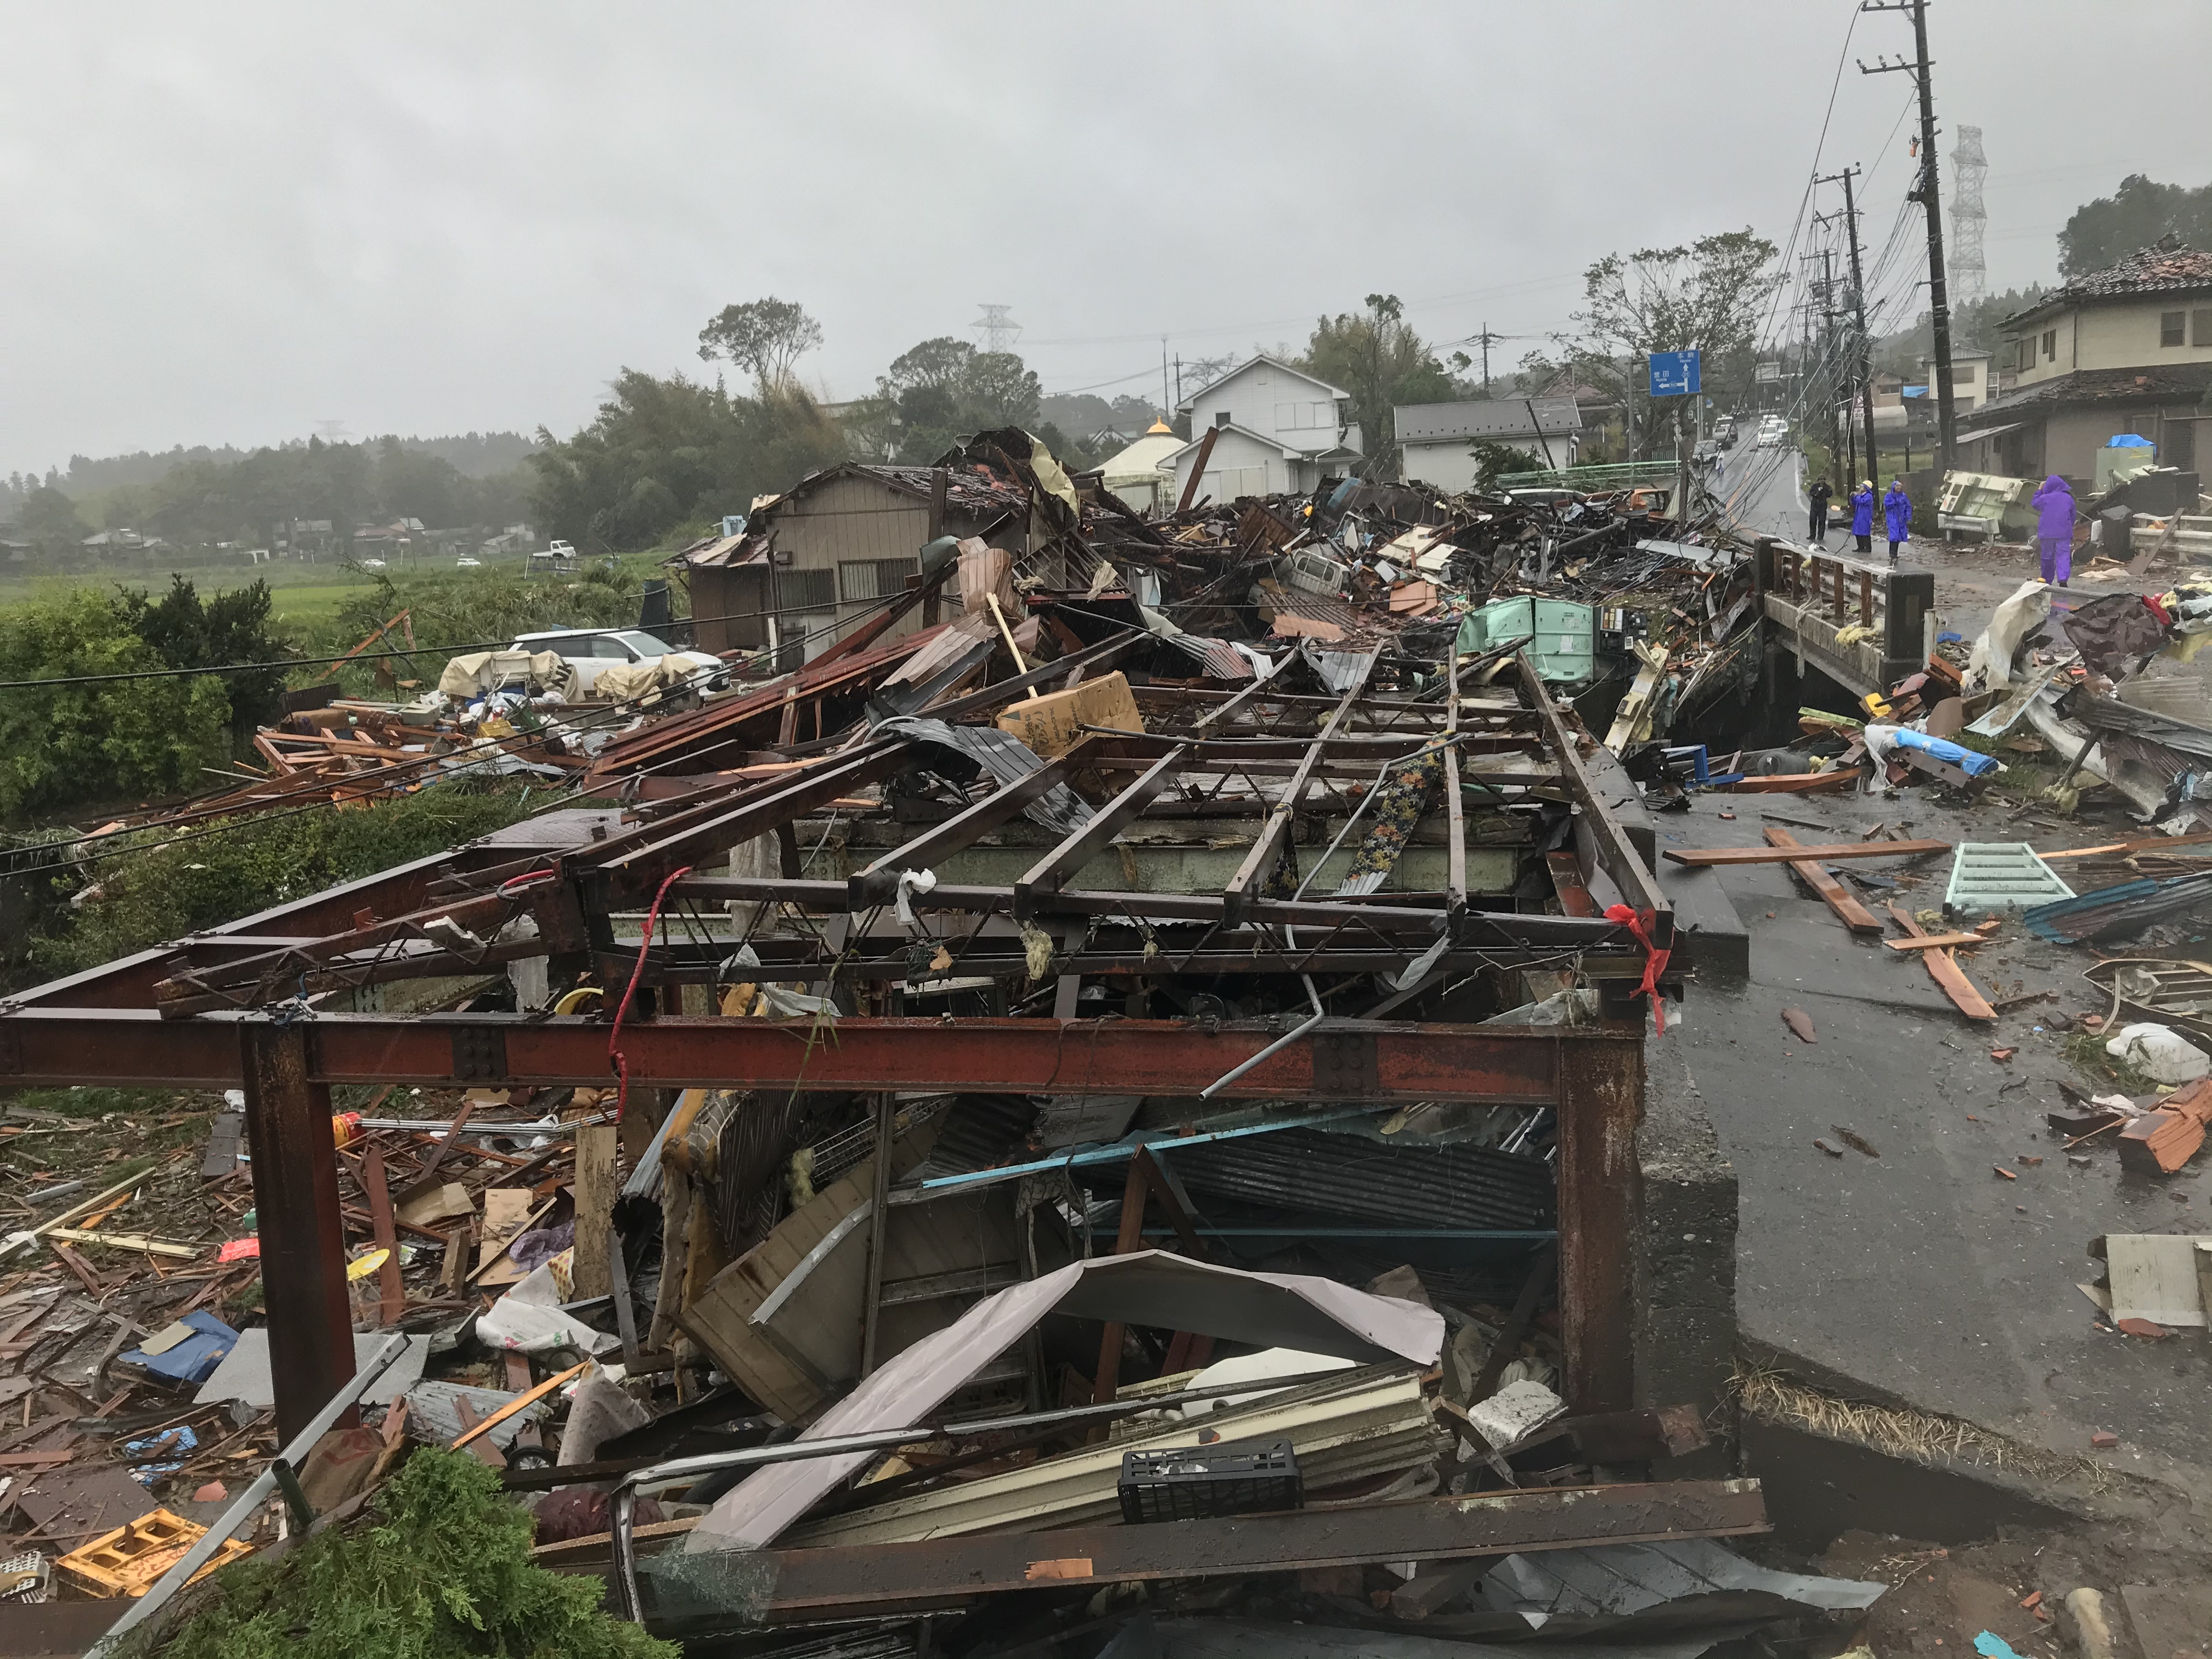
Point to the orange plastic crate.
(130, 1560)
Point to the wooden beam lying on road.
(1703, 857)
(1848, 910)
(1938, 941)
(1943, 968)
(1793, 783)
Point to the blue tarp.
(1943, 748)
(2129, 441)
(193, 1360)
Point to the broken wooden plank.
(1792, 783)
(1703, 857)
(529, 1397)
(1938, 942)
(598, 1183)
(1848, 910)
(391, 1292)
(1943, 968)
(2142, 844)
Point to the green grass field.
(307, 596)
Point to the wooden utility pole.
(1927, 194)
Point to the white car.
(591, 651)
(370, 564)
(465, 563)
(1773, 432)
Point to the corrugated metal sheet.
(1006, 758)
(1328, 1175)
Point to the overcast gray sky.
(226, 222)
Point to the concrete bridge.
(1857, 621)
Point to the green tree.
(1495, 461)
(939, 392)
(767, 336)
(1376, 356)
(2138, 214)
(188, 632)
(666, 454)
(49, 521)
(119, 741)
(1708, 296)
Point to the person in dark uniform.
(1817, 527)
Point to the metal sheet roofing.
(1494, 418)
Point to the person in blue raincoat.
(2054, 529)
(1896, 515)
(1862, 514)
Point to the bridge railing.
(1820, 596)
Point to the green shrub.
(168, 891)
(122, 741)
(444, 1572)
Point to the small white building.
(1437, 442)
(1277, 430)
(1142, 474)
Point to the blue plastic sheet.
(1943, 748)
(193, 1360)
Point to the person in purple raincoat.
(2054, 528)
(1896, 516)
(1862, 514)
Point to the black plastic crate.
(1190, 1483)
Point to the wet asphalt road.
(1923, 1272)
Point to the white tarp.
(1147, 1287)
(466, 679)
(1990, 666)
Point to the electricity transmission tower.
(1969, 276)
(999, 330)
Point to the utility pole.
(1928, 194)
(1863, 359)
(1166, 408)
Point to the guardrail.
(1821, 598)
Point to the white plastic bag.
(528, 1318)
(2157, 1051)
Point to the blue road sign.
(1673, 374)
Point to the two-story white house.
(2128, 350)
(1276, 430)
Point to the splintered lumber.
(1937, 942)
(531, 1397)
(1943, 968)
(1849, 911)
(1793, 783)
(1700, 857)
(2143, 844)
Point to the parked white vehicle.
(466, 562)
(592, 651)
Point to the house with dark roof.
(820, 558)
(1436, 440)
(2123, 350)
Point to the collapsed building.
(1113, 1054)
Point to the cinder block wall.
(1685, 1259)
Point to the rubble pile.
(1081, 1124)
